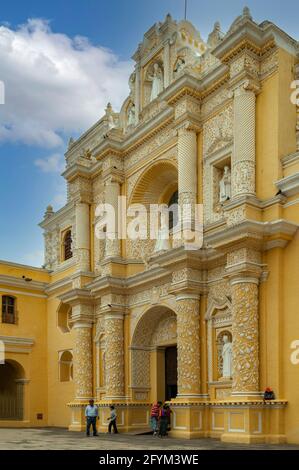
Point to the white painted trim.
(17, 340)
(82, 325)
(244, 280)
(291, 203)
(260, 423)
(182, 428)
(112, 316)
(214, 428)
(19, 292)
(199, 428)
(188, 296)
(229, 422)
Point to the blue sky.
(57, 84)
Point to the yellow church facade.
(128, 322)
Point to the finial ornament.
(49, 211)
(246, 12)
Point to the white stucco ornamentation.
(188, 346)
(245, 337)
(82, 361)
(114, 355)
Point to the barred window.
(8, 309)
(67, 245)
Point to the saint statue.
(227, 357)
(131, 115)
(157, 81)
(180, 65)
(225, 185)
(110, 117)
(162, 242)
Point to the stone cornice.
(289, 186)
(76, 170)
(252, 233)
(76, 296)
(13, 281)
(289, 160)
(64, 283)
(258, 39)
(142, 133)
(23, 266)
(58, 217)
(15, 340)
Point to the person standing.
(163, 421)
(112, 420)
(155, 417)
(91, 414)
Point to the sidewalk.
(62, 439)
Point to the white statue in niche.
(225, 185)
(131, 115)
(157, 81)
(162, 241)
(180, 65)
(227, 357)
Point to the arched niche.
(64, 314)
(218, 318)
(155, 186)
(155, 330)
(65, 366)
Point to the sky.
(61, 62)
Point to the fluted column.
(188, 344)
(82, 236)
(114, 355)
(187, 173)
(112, 192)
(82, 360)
(243, 160)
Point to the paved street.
(57, 438)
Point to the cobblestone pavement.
(60, 439)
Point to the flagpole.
(185, 9)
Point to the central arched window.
(8, 309)
(67, 245)
(173, 213)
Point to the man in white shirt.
(91, 414)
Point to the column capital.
(187, 296)
(188, 127)
(243, 86)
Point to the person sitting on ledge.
(269, 394)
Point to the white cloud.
(52, 164)
(55, 85)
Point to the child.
(112, 420)
(163, 421)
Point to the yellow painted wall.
(60, 393)
(31, 324)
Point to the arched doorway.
(11, 391)
(154, 354)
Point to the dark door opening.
(171, 373)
